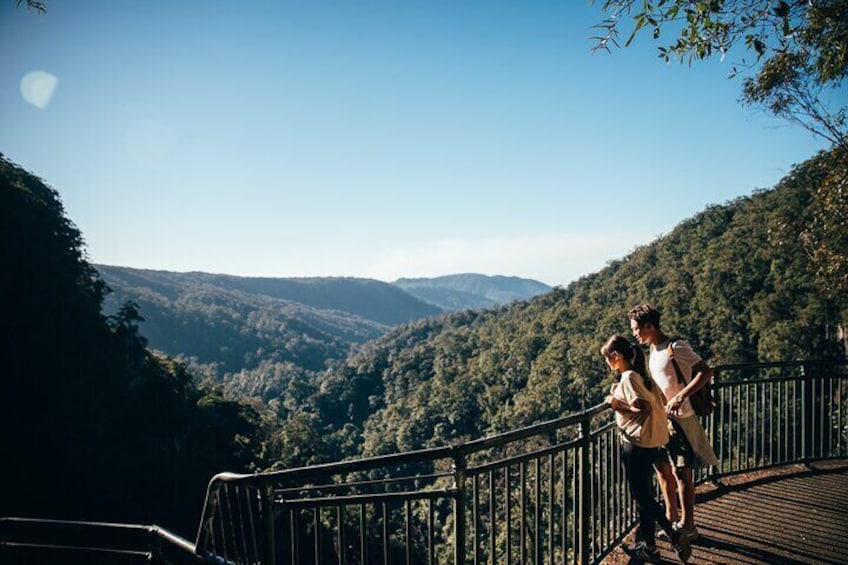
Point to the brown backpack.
(703, 402)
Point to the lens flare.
(37, 88)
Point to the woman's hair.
(630, 351)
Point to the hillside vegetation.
(734, 280)
(255, 335)
(98, 426)
(93, 425)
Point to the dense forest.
(94, 425)
(86, 403)
(739, 280)
(255, 335)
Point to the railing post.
(269, 556)
(585, 495)
(459, 467)
(714, 425)
(807, 407)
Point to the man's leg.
(686, 488)
(668, 486)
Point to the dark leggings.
(639, 468)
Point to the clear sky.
(371, 139)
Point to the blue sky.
(371, 139)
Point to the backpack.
(702, 400)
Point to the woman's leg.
(639, 469)
(668, 486)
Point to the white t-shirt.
(648, 428)
(662, 371)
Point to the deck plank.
(791, 515)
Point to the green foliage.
(94, 425)
(33, 5)
(723, 279)
(802, 45)
(791, 81)
(823, 231)
(85, 397)
(255, 334)
(705, 27)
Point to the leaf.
(640, 21)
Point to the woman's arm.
(635, 406)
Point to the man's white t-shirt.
(662, 371)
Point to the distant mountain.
(247, 328)
(471, 291)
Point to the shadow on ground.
(789, 516)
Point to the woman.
(643, 427)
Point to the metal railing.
(549, 493)
(554, 492)
(772, 414)
(30, 540)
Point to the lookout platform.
(790, 515)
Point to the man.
(688, 445)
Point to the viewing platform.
(790, 515)
(553, 492)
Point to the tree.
(826, 238)
(83, 402)
(800, 48)
(33, 5)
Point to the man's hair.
(645, 314)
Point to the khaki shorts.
(677, 451)
(688, 445)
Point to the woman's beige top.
(648, 428)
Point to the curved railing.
(549, 493)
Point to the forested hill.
(258, 334)
(471, 290)
(375, 302)
(93, 425)
(734, 279)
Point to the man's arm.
(702, 374)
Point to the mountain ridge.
(258, 334)
(472, 290)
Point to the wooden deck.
(790, 516)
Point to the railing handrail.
(313, 477)
(315, 486)
(415, 456)
(468, 447)
(152, 530)
(778, 364)
(471, 446)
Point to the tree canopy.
(799, 49)
(34, 5)
(93, 424)
(735, 280)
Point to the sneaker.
(691, 533)
(642, 552)
(681, 546)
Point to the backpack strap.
(670, 351)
